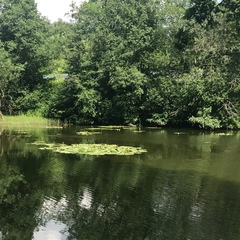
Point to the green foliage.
(205, 120)
(73, 102)
(116, 49)
(23, 33)
(159, 100)
(128, 84)
(8, 77)
(58, 51)
(24, 55)
(124, 62)
(210, 84)
(200, 10)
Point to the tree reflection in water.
(166, 194)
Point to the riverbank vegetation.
(27, 121)
(160, 63)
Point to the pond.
(185, 186)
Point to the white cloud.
(55, 9)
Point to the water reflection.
(86, 200)
(186, 187)
(53, 230)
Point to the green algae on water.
(90, 149)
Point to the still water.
(186, 187)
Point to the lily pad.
(90, 149)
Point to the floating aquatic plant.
(106, 128)
(87, 133)
(90, 149)
(138, 131)
(225, 134)
(111, 128)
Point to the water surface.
(186, 187)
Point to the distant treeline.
(165, 63)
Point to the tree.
(58, 47)
(117, 47)
(72, 102)
(23, 33)
(213, 53)
(200, 10)
(8, 78)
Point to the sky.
(55, 9)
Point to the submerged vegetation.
(150, 63)
(90, 149)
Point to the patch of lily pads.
(90, 149)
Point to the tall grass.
(27, 121)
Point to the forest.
(120, 62)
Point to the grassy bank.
(27, 121)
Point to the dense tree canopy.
(23, 33)
(168, 63)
